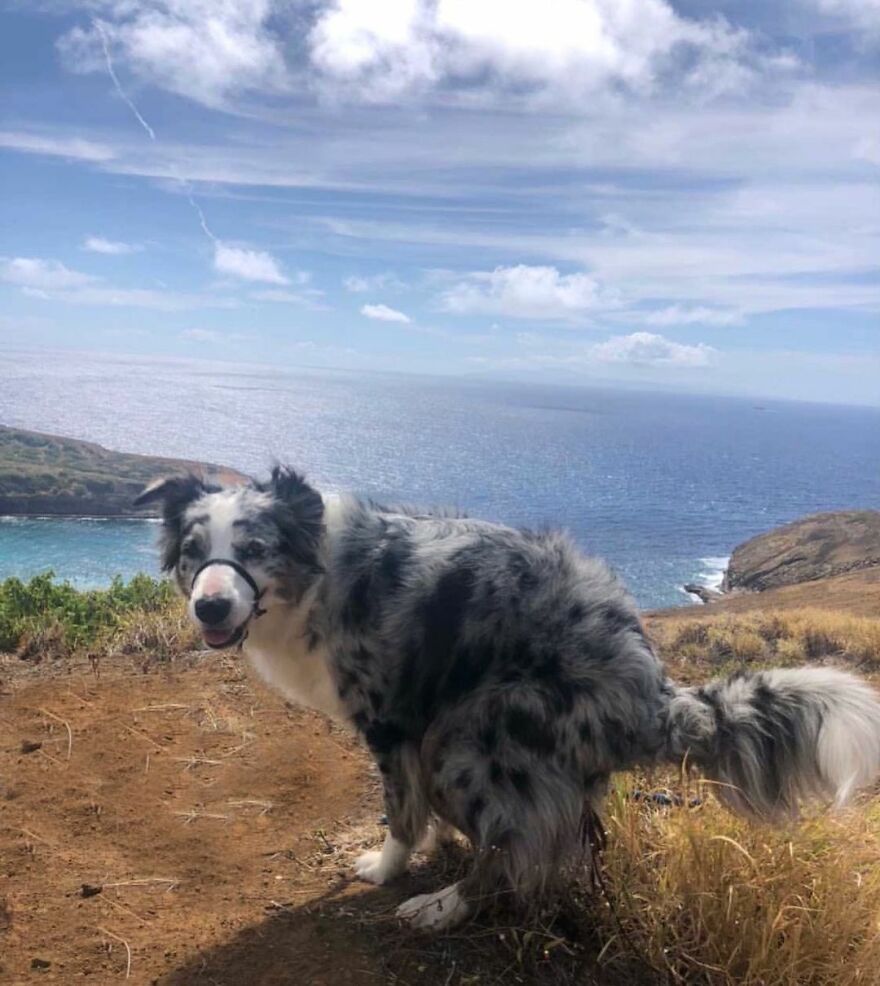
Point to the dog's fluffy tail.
(774, 738)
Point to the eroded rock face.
(815, 547)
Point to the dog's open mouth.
(218, 639)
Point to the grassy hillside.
(692, 894)
(47, 474)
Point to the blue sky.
(674, 195)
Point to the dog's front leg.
(407, 812)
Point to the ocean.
(663, 486)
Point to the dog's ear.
(299, 514)
(175, 493)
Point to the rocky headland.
(818, 548)
(48, 475)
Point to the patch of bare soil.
(183, 826)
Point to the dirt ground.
(183, 826)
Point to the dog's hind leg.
(520, 804)
(407, 810)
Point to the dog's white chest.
(277, 650)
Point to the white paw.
(434, 912)
(371, 867)
(381, 865)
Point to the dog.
(497, 676)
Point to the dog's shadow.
(351, 936)
(348, 936)
(330, 940)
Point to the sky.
(674, 195)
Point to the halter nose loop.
(256, 610)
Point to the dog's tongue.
(216, 637)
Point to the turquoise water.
(662, 486)
(86, 552)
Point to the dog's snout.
(212, 610)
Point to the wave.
(712, 573)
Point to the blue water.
(663, 486)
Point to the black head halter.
(257, 610)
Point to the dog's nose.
(213, 609)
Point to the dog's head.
(232, 549)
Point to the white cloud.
(215, 50)
(648, 349)
(383, 313)
(249, 265)
(868, 149)
(160, 301)
(307, 298)
(864, 14)
(640, 355)
(212, 336)
(97, 244)
(568, 47)
(56, 146)
(699, 315)
(201, 335)
(42, 275)
(527, 292)
(359, 284)
(202, 49)
(50, 280)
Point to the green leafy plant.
(45, 617)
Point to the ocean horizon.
(662, 485)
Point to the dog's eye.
(254, 549)
(190, 548)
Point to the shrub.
(43, 616)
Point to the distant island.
(47, 475)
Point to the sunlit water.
(662, 486)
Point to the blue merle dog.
(497, 676)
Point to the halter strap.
(243, 572)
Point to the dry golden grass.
(715, 643)
(707, 897)
(156, 636)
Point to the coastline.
(52, 476)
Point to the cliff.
(44, 475)
(817, 547)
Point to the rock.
(702, 592)
(816, 547)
